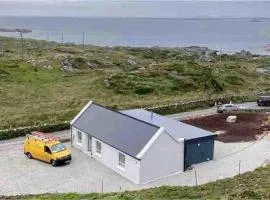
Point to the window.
(79, 137)
(58, 147)
(122, 160)
(98, 147)
(47, 150)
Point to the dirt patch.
(247, 127)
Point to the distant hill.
(49, 82)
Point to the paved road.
(20, 175)
(211, 111)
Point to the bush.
(144, 90)
(22, 131)
(234, 80)
(3, 72)
(182, 107)
(209, 81)
(9, 65)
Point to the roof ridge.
(164, 119)
(172, 119)
(118, 112)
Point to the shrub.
(3, 72)
(209, 81)
(22, 131)
(234, 80)
(9, 65)
(181, 107)
(144, 90)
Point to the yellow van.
(46, 148)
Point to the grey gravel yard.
(20, 175)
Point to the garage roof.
(175, 128)
(121, 131)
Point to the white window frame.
(98, 151)
(79, 137)
(121, 163)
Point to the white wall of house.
(163, 158)
(109, 156)
(83, 145)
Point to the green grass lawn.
(121, 77)
(251, 185)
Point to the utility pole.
(2, 46)
(220, 53)
(196, 178)
(239, 167)
(22, 45)
(102, 187)
(62, 38)
(83, 39)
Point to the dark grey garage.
(199, 143)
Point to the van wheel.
(53, 162)
(29, 155)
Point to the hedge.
(162, 109)
(22, 131)
(183, 107)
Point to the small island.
(15, 30)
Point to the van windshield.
(57, 148)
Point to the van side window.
(47, 149)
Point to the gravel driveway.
(20, 175)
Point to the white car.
(227, 108)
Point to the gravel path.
(20, 175)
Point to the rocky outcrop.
(198, 53)
(244, 53)
(66, 65)
(35, 63)
(263, 70)
(71, 63)
(131, 62)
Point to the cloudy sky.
(135, 8)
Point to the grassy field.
(50, 82)
(251, 185)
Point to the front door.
(90, 143)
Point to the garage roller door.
(198, 150)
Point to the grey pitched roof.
(175, 128)
(116, 129)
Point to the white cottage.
(132, 143)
